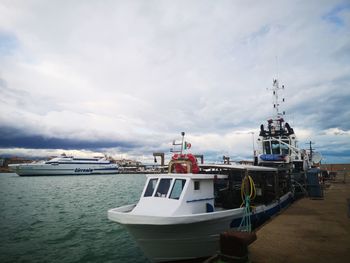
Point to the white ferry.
(66, 165)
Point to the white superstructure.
(66, 165)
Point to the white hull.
(63, 169)
(180, 242)
(186, 237)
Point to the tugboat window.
(163, 187)
(150, 187)
(196, 185)
(267, 147)
(275, 145)
(177, 188)
(285, 148)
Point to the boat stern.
(13, 167)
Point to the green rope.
(246, 223)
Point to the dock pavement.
(310, 230)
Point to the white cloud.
(336, 131)
(144, 70)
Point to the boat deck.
(309, 230)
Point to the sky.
(125, 78)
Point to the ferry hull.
(64, 169)
(178, 239)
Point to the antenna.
(277, 67)
(276, 100)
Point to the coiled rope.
(248, 193)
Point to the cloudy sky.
(126, 77)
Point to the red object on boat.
(181, 168)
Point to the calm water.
(64, 218)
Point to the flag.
(187, 145)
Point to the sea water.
(64, 218)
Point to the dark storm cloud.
(325, 110)
(325, 113)
(13, 138)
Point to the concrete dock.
(309, 230)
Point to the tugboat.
(277, 144)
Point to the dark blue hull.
(257, 219)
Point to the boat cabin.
(176, 194)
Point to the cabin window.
(285, 148)
(196, 185)
(267, 147)
(163, 187)
(275, 145)
(150, 187)
(177, 188)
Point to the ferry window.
(267, 147)
(163, 187)
(177, 188)
(150, 187)
(196, 185)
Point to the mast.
(276, 100)
(173, 150)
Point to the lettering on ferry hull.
(79, 170)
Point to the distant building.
(4, 162)
(17, 160)
(128, 163)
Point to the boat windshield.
(177, 188)
(150, 187)
(163, 187)
(275, 146)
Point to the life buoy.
(181, 168)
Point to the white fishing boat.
(180, 215)
(66, 165)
